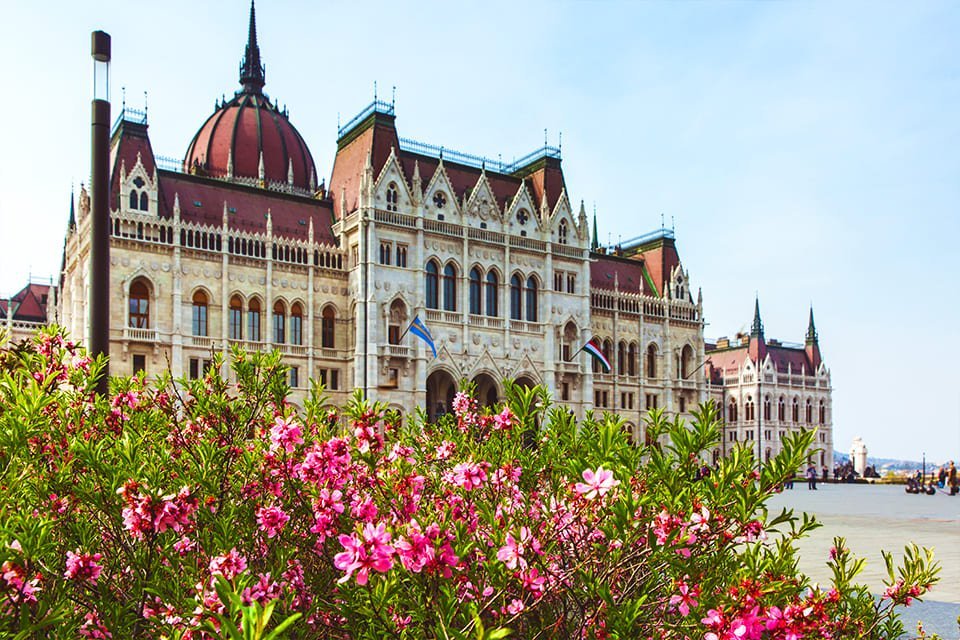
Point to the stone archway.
(525, 381)
(486, 389)
(441, 388)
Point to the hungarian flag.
(593, 348)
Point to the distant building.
(768, 389)
(22, 314)
(858, 456)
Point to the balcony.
(203, 342)
(526, 327)
(396, 351)
(449, 317)
(487, 322)
(134, 334)
(568, 367)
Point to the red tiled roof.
(129, 140)
(729, 360)
(29, 303)
(660, 260)
(251, 205)
(628, 273)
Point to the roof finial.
(811, 329)
(757, 329)
(252, 72)
(596, 239)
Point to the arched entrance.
(440, 391)
(525, 381)
(487, 393)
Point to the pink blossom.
(229, 565)
(515, 607)
(83, 567)
(445, 449)
(373, 551)
(468, 475)
(685, 598)
(512, 552)
(285, 434)
(271, 520)
(462, 403)
(92, 627)
(503, 420)
(596, 483)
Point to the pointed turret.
(72, 222)
(758, 346)
(595, 242)
(252, 71)
(812, 346)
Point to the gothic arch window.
(809, 412)
(328, 319)
(134, 201)
(139, 304)
(253, 320)
(607, 349)
(748, 409)
(686, 362)
(279, 322)
(632, 359)
(823, 412)
(563, 232)
(296, 324)
(475, 303)
(235, 320)
(433, 298)
(652, 361)
(450, 287)
(393, 196)
(531, 299)
(199, 313)
(490, 292)
(781, 410)
(766, 407)
(622, 358)
(796, 409)
(396, 320)
(732, 411)
(516, 299)
(144, 201)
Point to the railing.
(603, 378)
(392, 217)
(485, 236)
(488, 322)
(446, 228)
(526, 327)
(450, 317)
(567, 251)
(204, 342)
(140, 335)
(470, 160)
(568, 367)
(528, 243)
(396, 350)
(377, 106)
(687, 384)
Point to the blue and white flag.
(420, 330)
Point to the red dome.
(249, 129)
(239, 132)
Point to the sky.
(805, 153)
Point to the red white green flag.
(593, 348)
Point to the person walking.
(952, 478)
(811, 478)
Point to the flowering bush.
(201, 509)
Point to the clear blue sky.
(807, 152)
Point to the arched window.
(279, 323)
(607, 350)
(134, 203)
(327, 331)
(236, 318)
(490, 291)
(139, 305)
(796, 410)
(475, 304)
(296, 324)
(144, 201)
(622, 358)
(652, 361)
(433, 298)
(809, 412)
(392, 196)
(515, 298)
(686, 362)
(632, 359)
(199, 313)
(766, 407)
(748, 409)
(781, 410)
(449, 287)
(563, 232)
(732, 411)
(531, 299)
(253, 320)
(823, 412)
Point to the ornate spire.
(595, 243)
(252, 72)
(72, 222)
(812, 329)
(757, 329)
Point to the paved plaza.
(874, 518)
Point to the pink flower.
(285, 435)
(504, 420)
(361, 555)
(271, 520)
(596, 483)
(515, 607)
(83, 567)
(512, 552)
(468, 475)
(229, 565)
(685, 599)
(445, 449)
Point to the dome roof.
(250, 139)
